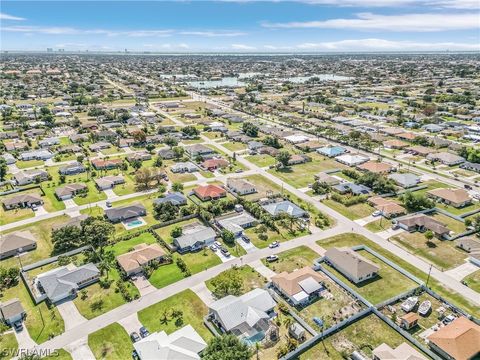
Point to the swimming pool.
(135, 223)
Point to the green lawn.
(110, 297)
(363, 335)
(122, 247)
(29, 163)
(473, 281)
(234, 146)
(111, 343)
(59, 354)
(450, 295)
(9, 216)
(251, 279)
(357, 211)
(442, 253)
(158, 317)
(379, 225)
(128, 187)
(263, 160)
(8, 346)
(93, 211)
(281, 236)
(459, 211)
(290, 260)
(165, 231)
(92, 196)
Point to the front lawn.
(290, 260)
(473, 281)
(8, 346)
(93, 195)
(281, 236)
(59, 354)
(442, 253)
(379, 225)
(159, 316)
(353, 212)
(9, 216)
(263, 160)
(111, 343)
(24, 164)
(250, 278)
(234, 146)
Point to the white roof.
(310, 285)
(352, 159)
(299, 297)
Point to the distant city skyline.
(242, 26)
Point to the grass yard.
(59, 354)
(92, 196)
(158, 316)
(42, 231)
(179, 177)
(363, 335)
(9, 216)
(475, 205)
(473, 281)
(431, 184)
(357, 211)
(379, 225)
(24, 164)
(93, 211)
(128, 187)
(110, 298)
(41, 322)
(111, 343)
(165, 231)
(290, 260)
(251, 279)
(234, 146)
(262, 160)
(8, 346)
(283, 235)
(388, 282)
(122, 247)
(450, 295)
(442, 253)
(166, 275)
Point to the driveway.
(364, 221)
(203, 293)
(24, 340)
(110, 194)
(40, 211)
(70, 314)
(131, 324)
(223, 257)
(80, 350)
(69, 204)
(143, 285)
(262, 269)
(248, 246)
(462, 271)
(389, 233)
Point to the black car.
(135, 337)
(468, 187)
(135, 355)
(18, 326)
(144, 332)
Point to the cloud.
(386, 45)
(4, 16)
(212, 33)
(406, 22)
(53, 30)
(453, 4)
(242, 47)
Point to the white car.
(377, 213)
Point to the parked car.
(109, 204)
(135, 355)
(318, 321)
(377, 213)
(246, 238)
(213, 247)
(18, 326)
(34, 207)
(217, 244)
(144, 332)
(225, 252)
(272, 258)
(135, 337)
(274, 245)
(468, 187)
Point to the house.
(405, 180)
(15, 145)
(247, 316)
(236, 223)
(327, 179)
(175, 198)
(407, 136)
(140, 156)
(376, 167)
(241, 186)
(349, 187)
(12, 311)
(72, 169)
(300, 286)
(402, 352)
(296, 139)
(388, 208)
(22, 201)
(100, 146)
(64, 282)
(36, 155)
(209, 192)
(432, 128)
(395, 144)
(106, 164)
(422, 222)
(198, 150)
(352, 159)
(459, 340)
(184, 343)
(352, 265)
(469, 244)
(446, 158)
(284, 206)
(332, 151)
(16, 242)
(183, 167)
(456, 197)
(69, 191)
(214, 164)
(9, 158)
(310, 145)
(108, 182)
(166, 153)
(470, 166)
(125, 212)
(78, 137)
(194, 237)
(142, 255)
(298, 159)
(74, 221)
(409, 320)
(30, 176)
(420, 150)
(47, 142)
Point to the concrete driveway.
(143, 285)
(262, 269)
(70, 314)
(110, 194)
(131, 324)
(203, 293)
(24, 340)
(462, 271)
(248, 246)
(69, 204)
(223, 257)
(80, 350)
(40, 211)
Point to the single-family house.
(106, 164)
(247, 316)
(395, 144)
(40, 154)
(69, 191)
(139, 156)
(166, 153)
(403, 351)
(376, 167)
(470, 166)
(456, 197)
(22, 201)
(214, 164)
(446, 158)
(194, 237)
(9, 158)
(142, 255)
(284, 206)
(108, 182)
(332, 151)
(324, 178)
(47, 142)
(469, 244)
(12, 311)
(183, 167)
(241, 186)
(350, 187)
(72, 169)
(352, 159)
(198, 149)
(387, 207)
(64, 282)
(125, 212)
(420, 150)
(352, 265)
(300, 286)
(16, 242)
(405, 180)
(30, 176)
(175, 198)
(209, 192)
(237, 222)
(422, 222)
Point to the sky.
(241, 25)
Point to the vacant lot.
(282, 235)
(290, 260)
(111, 343)
(353, 212)
(473, 281)
(250, 278)
(263, 160)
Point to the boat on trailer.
(409, 304)
(424, 307)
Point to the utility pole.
(428, 278)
